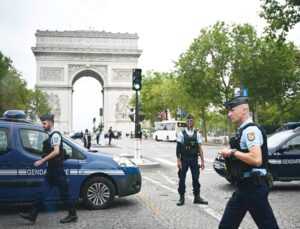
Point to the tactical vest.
(235, 167)
(47, 149)
(190, 146)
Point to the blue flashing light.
(14, 114)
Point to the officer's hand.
(225, 152)
(38, 163)
(202, 165)
(179, 164)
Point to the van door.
(8, 169)
(290, 159)
(71, 166)
(29, 146)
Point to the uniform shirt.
(251, 136)
(180, 137)
(55, 139)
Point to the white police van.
(94, 178)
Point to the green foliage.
(37, 104)
(281, 17)
(14, 94)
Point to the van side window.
(3, 142)
(32, 140)
(294, 144)
(71, 152)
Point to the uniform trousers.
(192, 163)
(252, 198)
(55, 177)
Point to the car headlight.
(123, 161)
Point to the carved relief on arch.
(51, 74)
(121, 75)
(73, 68)
(101, 68)
(122, 108)
(55, 105)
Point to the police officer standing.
(246, 162)
(55, 175)
(187, 151)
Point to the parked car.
(283, 157)
(76, 135)
(95, 178)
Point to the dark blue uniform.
(55, 176)
(189, 159)
(250, 195)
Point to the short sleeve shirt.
(55, 139)
(251, 136)
(180, 137)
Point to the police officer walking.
(55, 175)
(246, 162)
(187, 151)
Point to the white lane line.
(164, 161)
(171, 163)
(207, 209)
(168, 179)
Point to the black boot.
(31, 216)
(181, 201)
(199, 200)
(71, 217)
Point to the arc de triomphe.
(63, 57)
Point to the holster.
(256, 179)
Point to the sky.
(165, 28)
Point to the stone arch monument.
(63, 57)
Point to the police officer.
(187, 151)
(55, 175)
(246, 161)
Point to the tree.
(281, 17)
(37, 104)
(14, 93)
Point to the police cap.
(236, 101)
(189, 116)
(47, 117)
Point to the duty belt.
(261, 172)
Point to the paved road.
(155, 206)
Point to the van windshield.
(276, 139)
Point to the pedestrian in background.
(188, 149)
(87, 139)
(97, 136)
(110, 135)
(246, 162)
(55, 174)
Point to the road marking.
(168, 179)
(207, 209)
(164, 161)
(171, 163)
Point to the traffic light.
(136, 79)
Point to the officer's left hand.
(225, 152)
(38, 163)
(202, 165)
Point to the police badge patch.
(55, 139)
(251, 136)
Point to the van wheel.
(98, 193)
(270, 179)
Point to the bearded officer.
(55, 175)
(246, 162)
(188, 149)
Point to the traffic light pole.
(137, 130)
